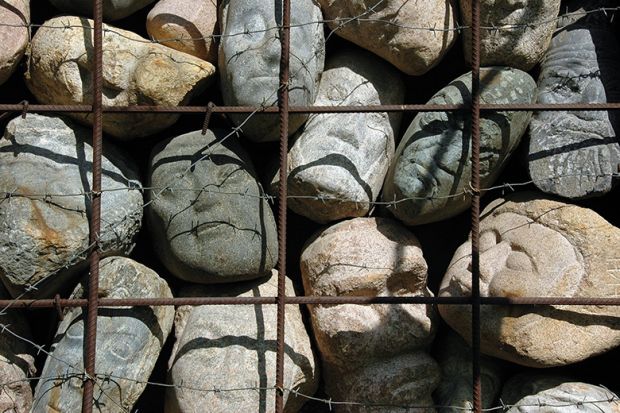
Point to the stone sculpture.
(209, 218)
(15, 17)
(249, 61)
(129, 340)
(575, 154)
(226, 346)
(135, 72)
(371, 353)
(45, 172)
(530, 247)
(428, 179)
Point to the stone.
(112, 9)
(185, 25)
(135, 72)
(571, 397)
(16, 360)
(129, 340)
(371, 257)
(536, 247)
(515, 34)
(529, 383)
(455, 388)
(575, 154)
(45, 170)
(413, 35)
(343, 158)
(234, 347)
(429, 178)
(13, 38)
(214, 224)
(249, 61)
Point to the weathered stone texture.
(571, 397)
(13, 38)
(112, 9)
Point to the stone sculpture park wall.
(378, 205)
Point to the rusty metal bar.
(475, 205)
(90, 330)
(283, 109)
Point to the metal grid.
(93, 302)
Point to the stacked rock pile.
(377, 203)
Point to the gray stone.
(536, 247)
(527, 384)
(129, 340)
(515, 34)
(343, 158)
(112, 9)
(429, 178)
(249, 61)
(215, 225)
(16, 360)
(371, 257)
(45, 162)
(185, 25)
(412, 35)
(572, 397)
(574, 154)
(135, 72)
(455, 361)
(232, 346)
(13, 38)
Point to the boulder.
(536, 247)
(129, 340)
(429, 177)
(570, 397)
(135, 72)
(112, 9)
(45, 174)
(234, 347)
(15, 17)
(249, 61)
(529, 383)
(214, 224)
(515, 34)
(16, 360)
(575, 154)
(342, 158)
(412, 35)
(185, 25)
(371, 257)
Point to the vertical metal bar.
(475, 205)
(283, 111)
(90, 332)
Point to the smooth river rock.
(574, 154)
(13, 38)
(16, 359)
(112, 9)
(185, 25)
(570, 397)
(234, 347)
(371, 257)
(513, 33)
(429, 178)
(45, 165)
(528, 383)
(399, 32)
(135, 72)
(214, 224)
(129, 340)
(343, 158)
(249, 61)
(455, 360)
(530, 247)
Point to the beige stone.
(514, 33)
(412, 35)
(13, 37)
(531, 246)
(234, 347)
(135, 72)
(185, 25)
(371, 257)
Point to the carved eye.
(519, 261)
